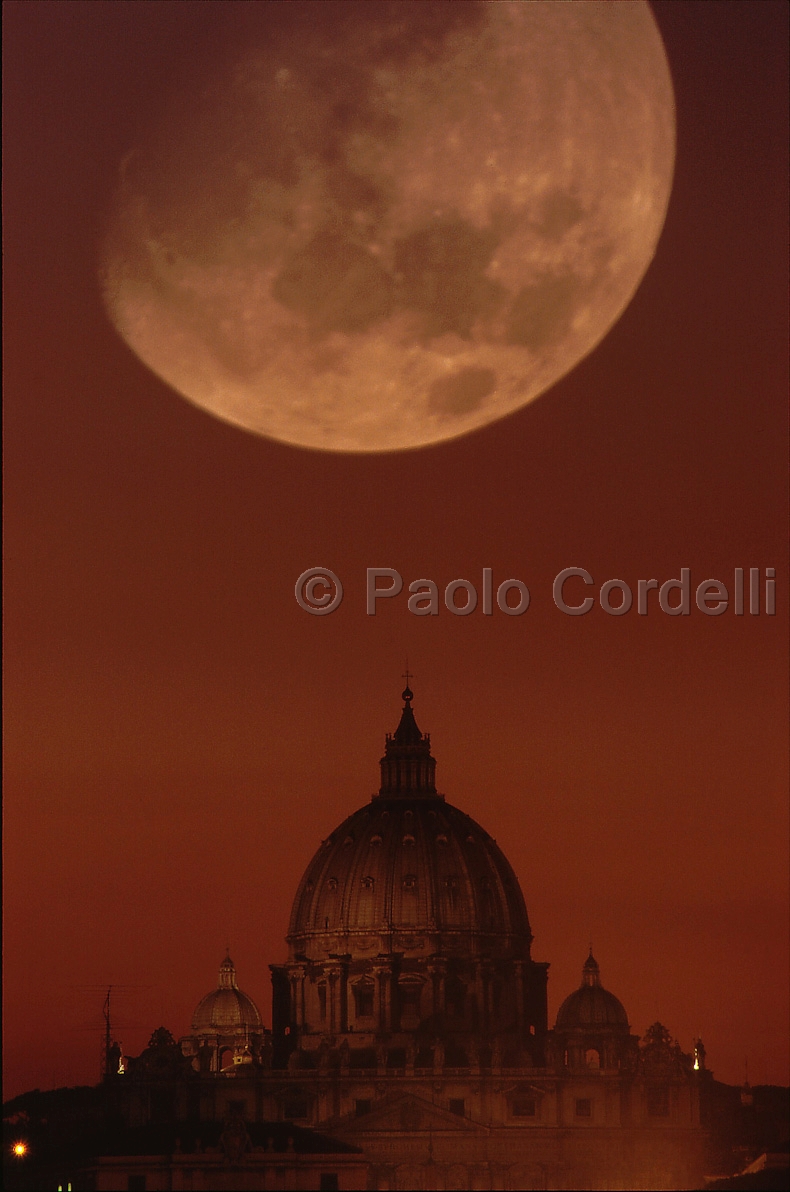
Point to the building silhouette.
(409, 1046)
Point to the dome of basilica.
(409, 942)
(591, 1005)
(409, 872)
(226, 1010)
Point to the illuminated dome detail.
(226, 1010)
(591, 1005)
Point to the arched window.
(410, 997)
(454, 997)
(363, 999)
(592, 1058)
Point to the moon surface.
(383, 225)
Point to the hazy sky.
(180, 735)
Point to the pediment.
(401, 1113)
(518, 1088)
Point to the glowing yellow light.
(20, 1149)
(696, 1063)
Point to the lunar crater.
(462, 392)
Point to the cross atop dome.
(407, 732)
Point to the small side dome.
(591, 1005)
(226, 1010)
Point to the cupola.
(407, 767)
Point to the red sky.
(180, 736)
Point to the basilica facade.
(410, 1045)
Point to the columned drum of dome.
(409, 933)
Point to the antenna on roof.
(107, 1034)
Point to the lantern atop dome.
(407, 767)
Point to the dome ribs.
(388, 830)
(451, 908)
(348, 895)
(402, 866)
(427, 877)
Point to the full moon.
(383, 225)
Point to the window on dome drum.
(363, 999)
(525, 1107)
(592, 1058)
(410, 998)
(362, 1107)
(583, 1107)
(658, 1101)
(296, 1109)
(454, 997)
(457, 1106)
